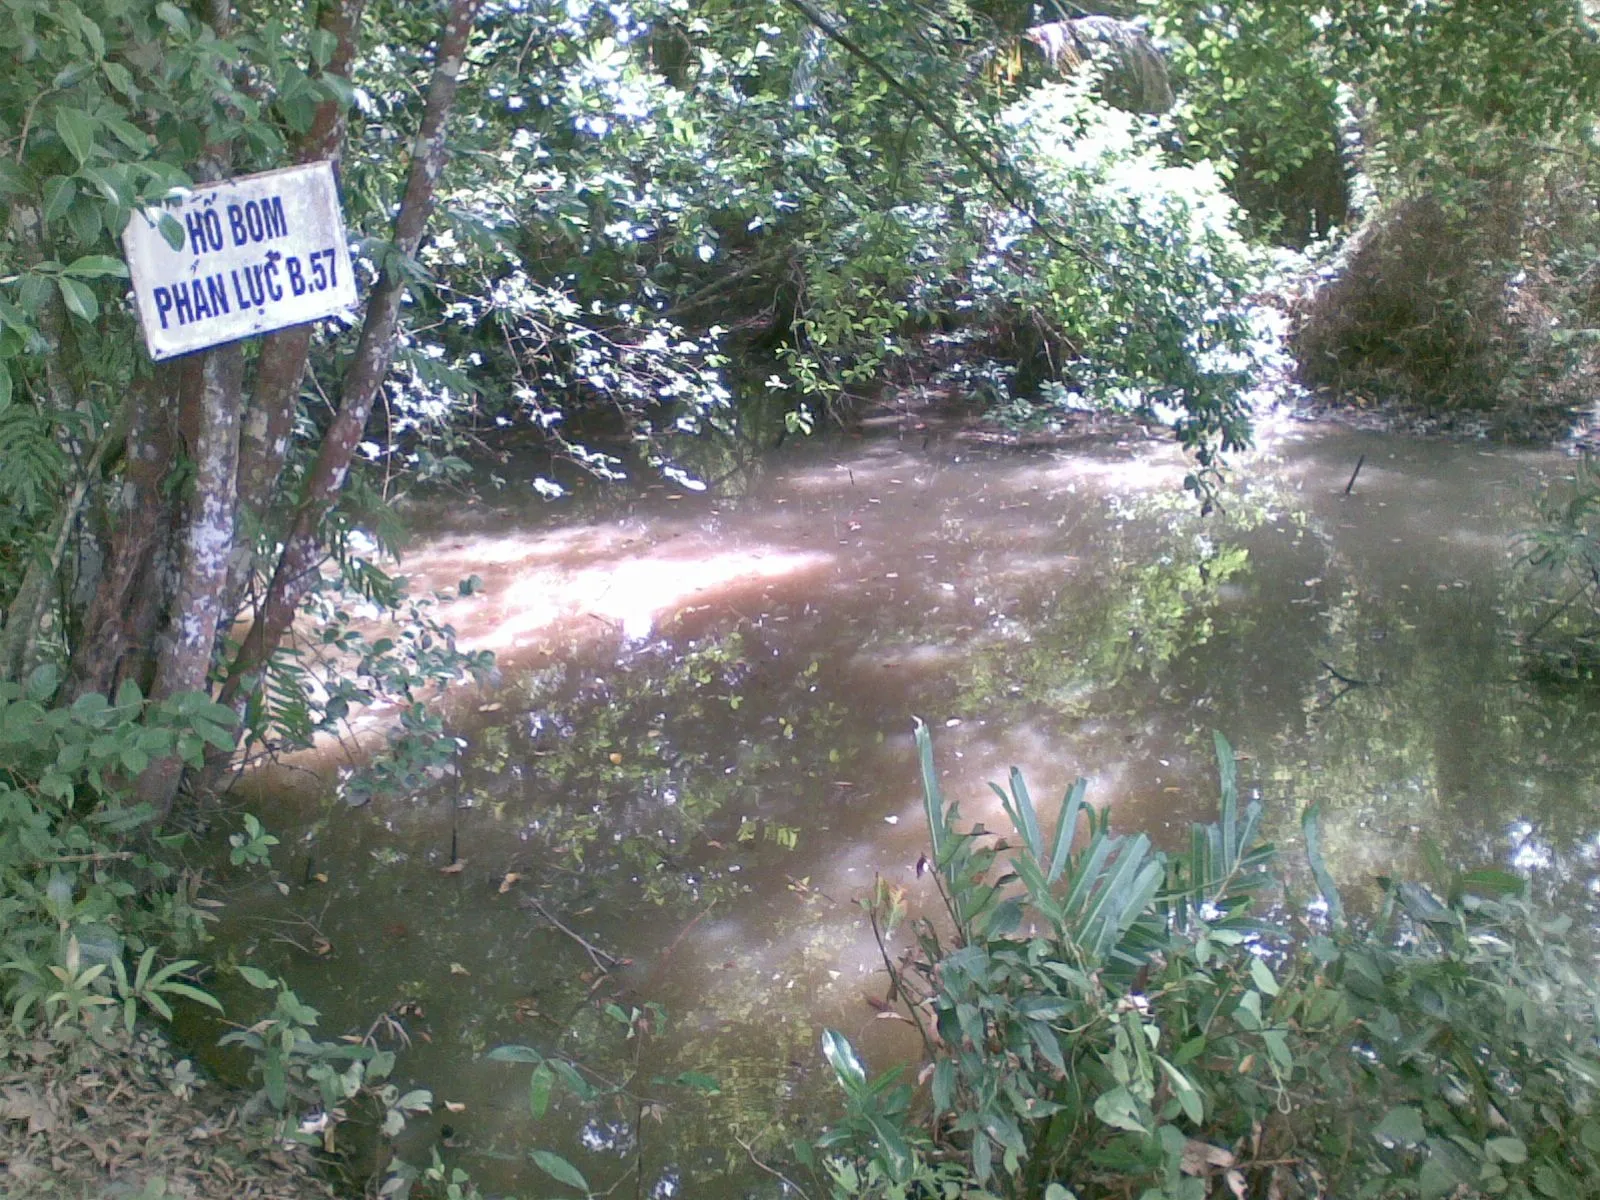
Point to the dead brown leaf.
(1202, 1158)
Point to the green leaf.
(1402, 1124)
(1019, 807)
(198, 995)
(699, 1082)
(97, 266)
(171, 230)
(322, 43)
(79, 299)
(841, 1056)
(5, 387)
(1120, 1110)
(568, 1074)
(222, 739)
(1311, 827)
(85, 221)
(932, 796)
(59, 193)
(1262, 976)
(559, 1169)
(893, 1144)
(1189, 1098)
(76, 128)
(131, 136)
(517, 1054)
(539, 1085)
(416, 1100)
(1056, 1192)
(256, 978)
(273, 1078)
(42, 681)
(1553, 1182)
(173, 16)
(1507, 1150)
(1066, 826)
(119, 77)
(1493, 883)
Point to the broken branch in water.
(594, 952)
(1352, 482)
(1341, 676)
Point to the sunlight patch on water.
(623, 584)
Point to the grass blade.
(1311, 826)
(1066, 827)
(932, 794)
(1028, 826)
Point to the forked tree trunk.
(281, 365)
(184, 563)
(302, 553)
(121, 622)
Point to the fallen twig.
(1342, 677)
(596, 955)
(773, 1171)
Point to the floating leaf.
(539, 1085)
(559, 1169)
(698, 1082)
(522, 1054)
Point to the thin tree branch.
(962, 143)
(368, 367)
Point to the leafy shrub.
(1113, 1021)
(86, 899)
(1560, 559)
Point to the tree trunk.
(281, 366)
(123, 616)
(301, 556)
(185, 661)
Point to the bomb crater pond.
(643, 865)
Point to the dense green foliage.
(77, 895)
(1105, 1020)
(636, 232)
(1456, 144)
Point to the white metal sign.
(258, 253)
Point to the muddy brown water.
(698, 754)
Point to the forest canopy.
(653, 239)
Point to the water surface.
(699, 755)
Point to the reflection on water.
(699, 753)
